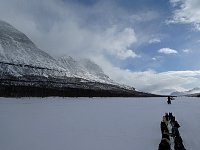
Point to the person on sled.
(169, 99)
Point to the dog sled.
(171, 139)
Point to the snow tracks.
(171, 139)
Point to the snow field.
(94, 123)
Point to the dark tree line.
(32, 91)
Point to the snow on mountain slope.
(84, 68)
(177, 93)
(93, 69)
(16, 48)
(192, 91)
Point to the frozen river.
(94, 123)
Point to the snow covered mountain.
(185, 93)
(16, 48)
(84, 68)
(177, 93)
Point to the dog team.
(171, 139)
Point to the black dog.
(163, 127)
(164, 145)
(167, 116)
(165, 136)
(170, 116)
(175, 132)
(176, 124)
(178, 143)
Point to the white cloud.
(151, 81)
(188, 12)
(154, 58)
(67, 28)
(118, 42)
(175, 2)
(187, 50)
(144, 16)
(154, 40)
(167, 51)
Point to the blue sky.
(149, 44)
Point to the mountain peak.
(4, 24)
(9, 32)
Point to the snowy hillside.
(16, 48)
(84, 68)
(94, 123)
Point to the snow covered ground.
(94, 123)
